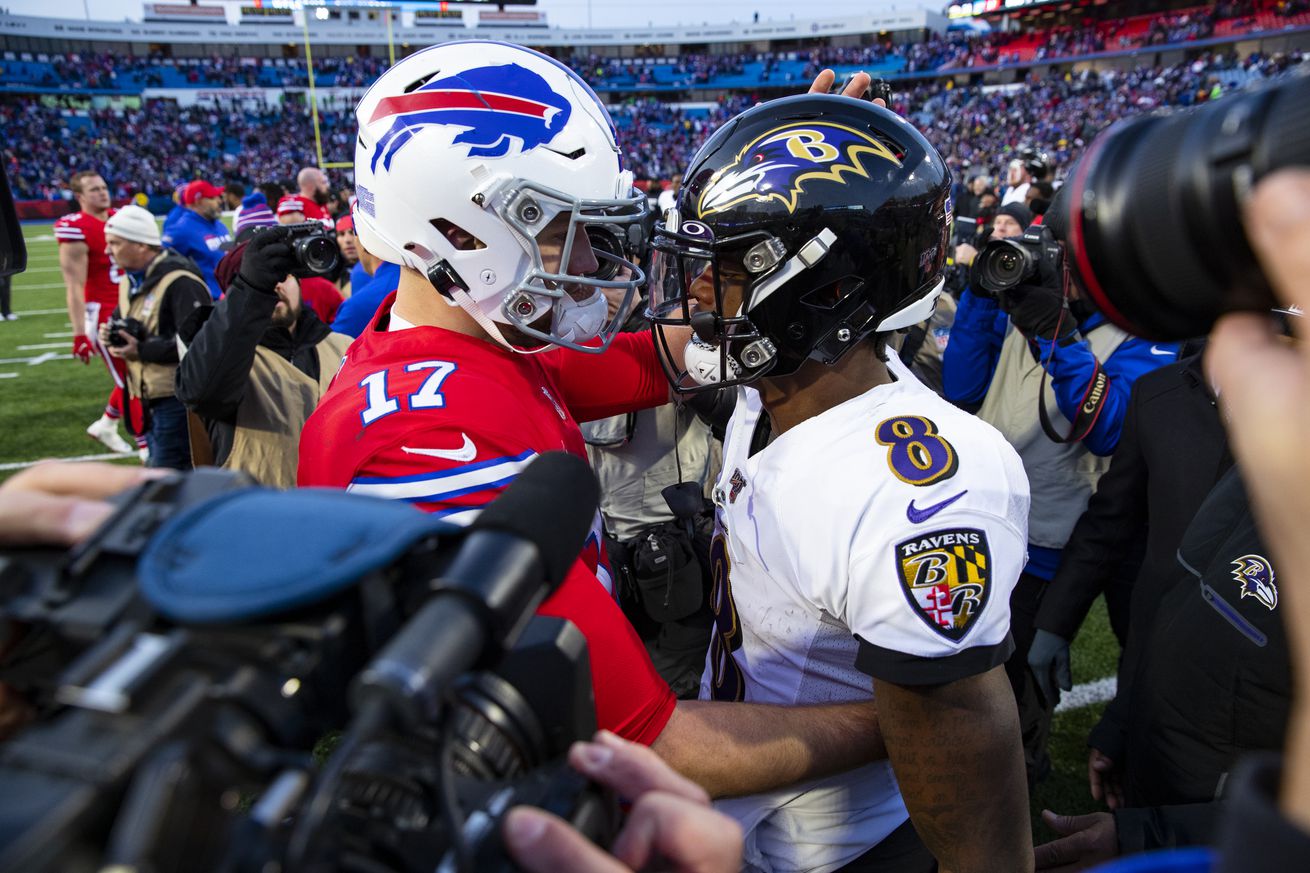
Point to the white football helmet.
(467, 151)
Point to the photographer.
(257, 368)
(160, 291)
(1035, 350)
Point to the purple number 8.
(915, 452)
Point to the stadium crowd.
(1071, 514)
(975, 128)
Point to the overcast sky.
(577, 13)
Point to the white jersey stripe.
(445, 484)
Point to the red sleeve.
(627, 377)
(631, 698)
(68, 230)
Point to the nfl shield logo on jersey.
(946, 578)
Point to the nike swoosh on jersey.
(919, 516)
(1156, 350)
(466, 452)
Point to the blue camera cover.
(256, 553)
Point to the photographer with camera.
(160, 291)
(1041, 365)
(256, 369)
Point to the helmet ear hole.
(457, 236)
(419, 83)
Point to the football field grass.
(47, 398)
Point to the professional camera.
(315, 248)
(182, 687)
(128, 325)
(1004, 263)
(1152, 215)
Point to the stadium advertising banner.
(360, 32)
(183, 12)
(990, 7)
(512, 19)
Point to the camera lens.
(609, 251)
(1003, 264)
(1152, 215)
(318, 254)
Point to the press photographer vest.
(1061, 476)
(149, 381)
(278, 400)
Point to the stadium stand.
(954, 84)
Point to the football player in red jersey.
(91, 282)
(490, 175)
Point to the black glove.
(1038, 312)
(1048, 658)
(267, 260)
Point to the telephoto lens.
(1003, 264)
(1153, 218)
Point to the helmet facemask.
(726, 348)
(549, 305)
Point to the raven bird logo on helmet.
(492, 170)
(783, 161)
(502, 110)
(815, 222)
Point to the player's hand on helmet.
(857, 86)
(1048, 658)
(671, 826)
(83, 348)
(268, 259)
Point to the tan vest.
(278, 401)
(148, 381)
(1061, 476)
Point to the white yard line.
(43, 312)
(8, 375)
(23, 465)
(57, 334)
(40, 270)
(44, 287)
(39, 359)
(41, 347)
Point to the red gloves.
(83, 348)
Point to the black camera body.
(315, 249)
(205, 743)
(130, 326)
(1006, 263)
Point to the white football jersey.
(880, 538)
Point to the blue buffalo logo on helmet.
(783, 162)
(502, 110)
(1256, 577)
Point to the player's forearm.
(732, 749)
(957, 755)
(76, 302)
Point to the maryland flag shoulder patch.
(946, 577)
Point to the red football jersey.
(446, 421)
(102, 274)
(313, 212)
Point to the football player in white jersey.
(869, 550)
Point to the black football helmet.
(817, 221)
(1035, 161)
